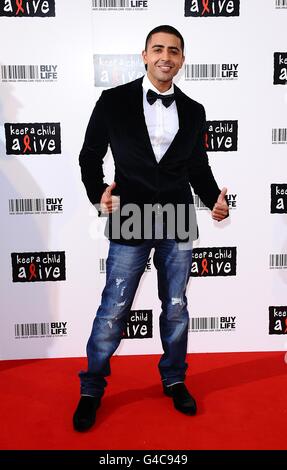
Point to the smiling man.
(156, 134)
(163, 56)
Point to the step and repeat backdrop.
(56, 58)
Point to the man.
(156, 134)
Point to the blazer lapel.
(182, 111)
(137, 118)
(138, 126)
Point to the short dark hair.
(165, 28)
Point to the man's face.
(164, 58)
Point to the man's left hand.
(220, 209)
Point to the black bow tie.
(152, 96)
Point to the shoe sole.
(81, 428)
(85, 427)
(186, 412)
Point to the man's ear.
(144, 56)
(183, 59)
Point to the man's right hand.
(109, 203)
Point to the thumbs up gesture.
(220, 209)
(109, 203)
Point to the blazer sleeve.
(93, 152)
(200, 174)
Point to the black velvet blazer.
(118, 120)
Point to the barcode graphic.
(279, 136)
(20, 72)
(204, 323)
(102, 265)
(208, 71)
(26, 205)
(111, 3)
(281, 3)
(278, 261)
(32, 329)
(198, 203)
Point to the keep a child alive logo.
(221, 136)
(116, 69)
(139, 325)
(278, 198)
(278, 320)
(203, 8)
(39, 267)
(33, 138)
(216, 261)
(280, 68)
(28, 8)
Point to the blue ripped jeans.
(125, 266)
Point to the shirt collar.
(147, 85)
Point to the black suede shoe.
(182, 399)
(85, 414)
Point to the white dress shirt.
(162, 123)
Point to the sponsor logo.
(277, 320)
(216, 261)
(221, 136)
(278, 261)
(39, 267)
(211, 71)
(280, 68)
(231, 199)
(36, 206)
(204, 8)
(139, 325)
(33, 138)
(28, 73)
(278, 198)
(280, 4)
(279, 136)
(103, 264)
(134, 5)
(203, 324)
(112, 70)
(28, 8)
(40, 330)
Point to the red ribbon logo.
(32, 270)
(206, 140)
(205, 6)
(204, 265)
(27, 143)
(19, 4)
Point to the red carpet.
(241, 400)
